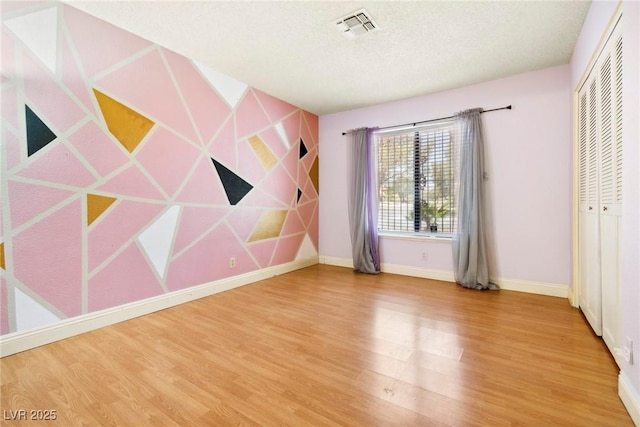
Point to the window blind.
(416, 171)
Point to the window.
(416, 185)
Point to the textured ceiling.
(292, 50)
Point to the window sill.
(416, 236)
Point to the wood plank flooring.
(325, 346)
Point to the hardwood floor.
(325, 346)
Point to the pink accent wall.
(528, 156)
(131, 251)
(596, 22)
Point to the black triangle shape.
(235, 187)
(38, 134)
(303, 149)
(299, 195)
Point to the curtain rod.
(508, 107)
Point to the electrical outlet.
(424, 256)
(232, 262)
(626, 352)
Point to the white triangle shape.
(30, 314)
(307, 250)
(231, 89)
(157, 238)
(282, 134)
(39, 31)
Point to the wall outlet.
(626, 352)
(424, 256)
(232, 262)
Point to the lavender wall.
(594, 26)
(630, 289)
(528, 152)
(598, 18)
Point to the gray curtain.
(470, 262)
(363, 202)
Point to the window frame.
(419, 131)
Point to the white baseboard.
(335, 261)
(402, 270)
(540, 288)
(25, 340)
(630, 397)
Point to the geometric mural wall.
(130, 171)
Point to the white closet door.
(611, 187)
(600, 190)
(588, 216)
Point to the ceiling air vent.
(356, 24)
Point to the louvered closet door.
(588, 216)
(600, 190)
(611, 186)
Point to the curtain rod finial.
(508, 107)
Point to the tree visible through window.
(416, 179)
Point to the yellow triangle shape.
(269, 225)
(96, 205)
(314, 175)
(2, 265)
(263, 152)
(128, 126)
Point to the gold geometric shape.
(314, 175)
(128, 126)
(265, 155)
(2, 265)
(96, 205)
(269, 225)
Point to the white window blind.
(416, 170)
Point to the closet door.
(588, 214)
(611, 186)
(600, 190)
